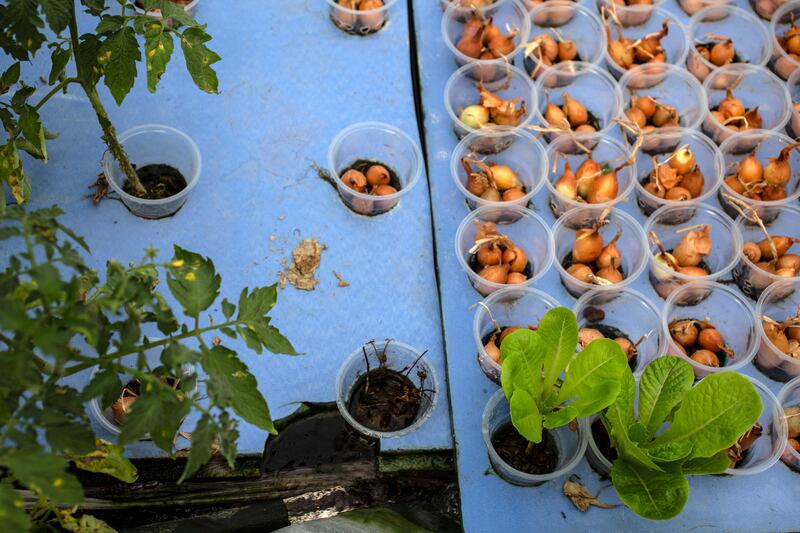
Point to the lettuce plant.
(702, 422)
(533, 365)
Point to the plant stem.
(109, 133)
(54, 91)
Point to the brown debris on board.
(101, 188)
(342, 282)
(305, 260)
(582, 497)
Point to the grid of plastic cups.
(668, 85)
(528, 231)
(506, 14)
(400, 357)
(782, 62)
(670, 224)
(748, 275)
(631, 313)
(569, 21)
(526, 156)
(512, 306)
(628, 15)
(571, 445)
(690, 7)
(381, 143)
(764, 145)
(726, 309)
(707, 156)
(767, 448)
(461, 92)
(778, 302)
(789, 399)
(674, 43)
(360, 22)
(754, 86)
(604, 149)
(632, 245)
(766, 8)
(793, 84)
(752, 46)
(584, 82)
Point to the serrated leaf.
(256, 304)
(231, 383)
(228, 309)
(558, 330)
(12, 510)
(106, 385)
(67, 435)
(32, 129)
(273, 340)
(21, 95)
(650, 493)
(177, 354)
(661, 388)
(89, 68)
(592, 382)
(107, 458)
(157, 411)
(522, 355)
(57, 13)
(13, 174)
(158, 48)
(118, 55)
(199, 59)
(193, 281)
(716, 464)
(525, 416)
(58, 63)
(21, 20)
(9, 77)
(203, 437)
(170, 10)
(110, 24)
(43, 472)
(95, 7)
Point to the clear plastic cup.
(766, 8)
(765, 144)
(751, 278)
(596, 459)
(358, 22)
(668, 85)
(528, 231)
(588, 84)
(690, 7)
(779, 301)
(781, 62)
(631, 313)
(627, 15)
(508, 14)
(461, 92)
(381, 143)
(399, 357)
(632, 245)
(669, 221)
(156, 13)
(463, 9)
(767, 448)
(707, 157)
(581, 26)
(571, 445)
(674, 43)
(754, 86)
(154, 144)
(605, 149)
(789, 396)
(793, 84)
(751, 40)
(526, 156)
(512, 306)
(726, 309)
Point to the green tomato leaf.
(105, 384)
(713, 414)
(87, 60)
(228, 308)
(193, 281)
(254, 305)
(13, 174)
(716, 464)
(199, 59)
(22, 21)
(522, 354)
(157, 411)
(107, 458)
(158, 48)
(12, 510)
(44, 473)
(525, 416)
(663, 384)
(558, 330)
(231, 383)
(176, 354)
(593, 377)
(9, 77)
(649, 493)
(118, 55)
(31, 124)
(68, 435)
(57, 14)
(202, 441)
(272, 339)
(58, 60)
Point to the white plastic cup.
(781, 62)
(358, 22)
(690, 7)
(154, 144)
(789, 396)
(766, 8)
(779, 301)
(793, 84)
(628, 15)
(465, 8)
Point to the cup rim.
(792, 80)
(581, 8)
(638, 8)
(524, 31)
(746, 69)
(766, 293)
(490, 300)
(108, 161)
(359, 126)
(476, 214)
(385, 7)
(778, 421)
(783, 396)
(514, 70)
(668, 69)
(631, 277)
(696, 20)
(499, 132)
(601, 139)
(343, 395)
(773, 36)
(573, 67)
(592, 444)
(744, 259)
(570, 465)
(669, 305)
(721, 219)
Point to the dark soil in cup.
(775, 373)
(160, 181)
(385, 400)
(525, 456)
(362, 165)
(610, 332)
(603, 441)
(477, 267)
